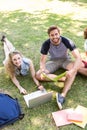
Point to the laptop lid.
(37, 98)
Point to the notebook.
(37, 98)
(75, 116)
(82, 110)
(60, 117)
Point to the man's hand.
(41, 87)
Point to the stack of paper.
(82, 110)
(77, 116)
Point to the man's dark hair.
(51, 28)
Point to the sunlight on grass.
(70, 102)
(55, 6)
(1, 69)
(25, 24)
(37, 121)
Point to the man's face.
(54, 36)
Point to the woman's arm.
(17, 84)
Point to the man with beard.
(57, 46)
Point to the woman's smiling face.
(16, 60)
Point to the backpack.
(10, 110)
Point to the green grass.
(27, 30)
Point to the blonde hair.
(9, 66)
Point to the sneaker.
(60, 100)
(3, 38)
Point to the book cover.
(60, 117)
(82, 110)
(75, 116)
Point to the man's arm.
(44, 51)
(33, 74)
(43, 62)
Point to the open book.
(55, 80)
(60, 117)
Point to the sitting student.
(16, 64)
(57, 46)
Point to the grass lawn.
(25, 25)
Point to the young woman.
(15, 64)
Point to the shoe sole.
(58, 103)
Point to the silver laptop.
(37, 98)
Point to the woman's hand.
(23, 91)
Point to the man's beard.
(55, 42)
